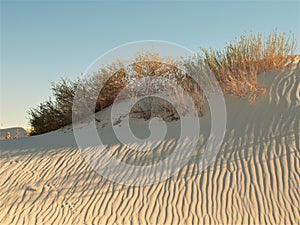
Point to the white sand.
(255, 178)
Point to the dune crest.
(254, 179)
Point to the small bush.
(51, 115)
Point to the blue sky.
(42, 41)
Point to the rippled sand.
(254, 179)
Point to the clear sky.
(42, 41)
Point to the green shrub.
(51, 115)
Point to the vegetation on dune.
(235, 68)
(52, 115)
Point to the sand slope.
(255, 178)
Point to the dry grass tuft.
(237, 66)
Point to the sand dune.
(14, 132)
(254, 179)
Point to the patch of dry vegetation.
(237, 66)
(236, 69)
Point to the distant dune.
(254, 179)
(14, 131)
